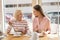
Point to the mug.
(34, 36)
(17, 34)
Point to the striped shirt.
(18, 25)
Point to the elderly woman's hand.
(21, 29)
(24, 30)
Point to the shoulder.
(12, 19)
(35, 19)
(46, 19)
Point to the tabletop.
(11, 37)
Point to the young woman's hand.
(35, 29)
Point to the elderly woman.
(18, 24)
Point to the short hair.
(17, 12)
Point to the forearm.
(9, 29)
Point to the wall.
(1, 27)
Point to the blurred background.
(51, 9)
(11, 6)
(1, 20)
(1, 25)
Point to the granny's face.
(36, 13)
(19, 16)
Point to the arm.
(46, 26)
(9, 27)
(35, 27)
(26, 28)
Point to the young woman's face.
(36, 13)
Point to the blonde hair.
(17, 12)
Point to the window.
(50, 3)
(53, 17)
(59, 17)
(59, 3)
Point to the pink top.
(44, 24)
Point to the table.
(11, 37)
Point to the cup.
(17, 34)
(34, 36)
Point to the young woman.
(18, 23)
(40, 22)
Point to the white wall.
(24, 9)
(1, 25)
(50, 8)
(49, 0)
(17, 1)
